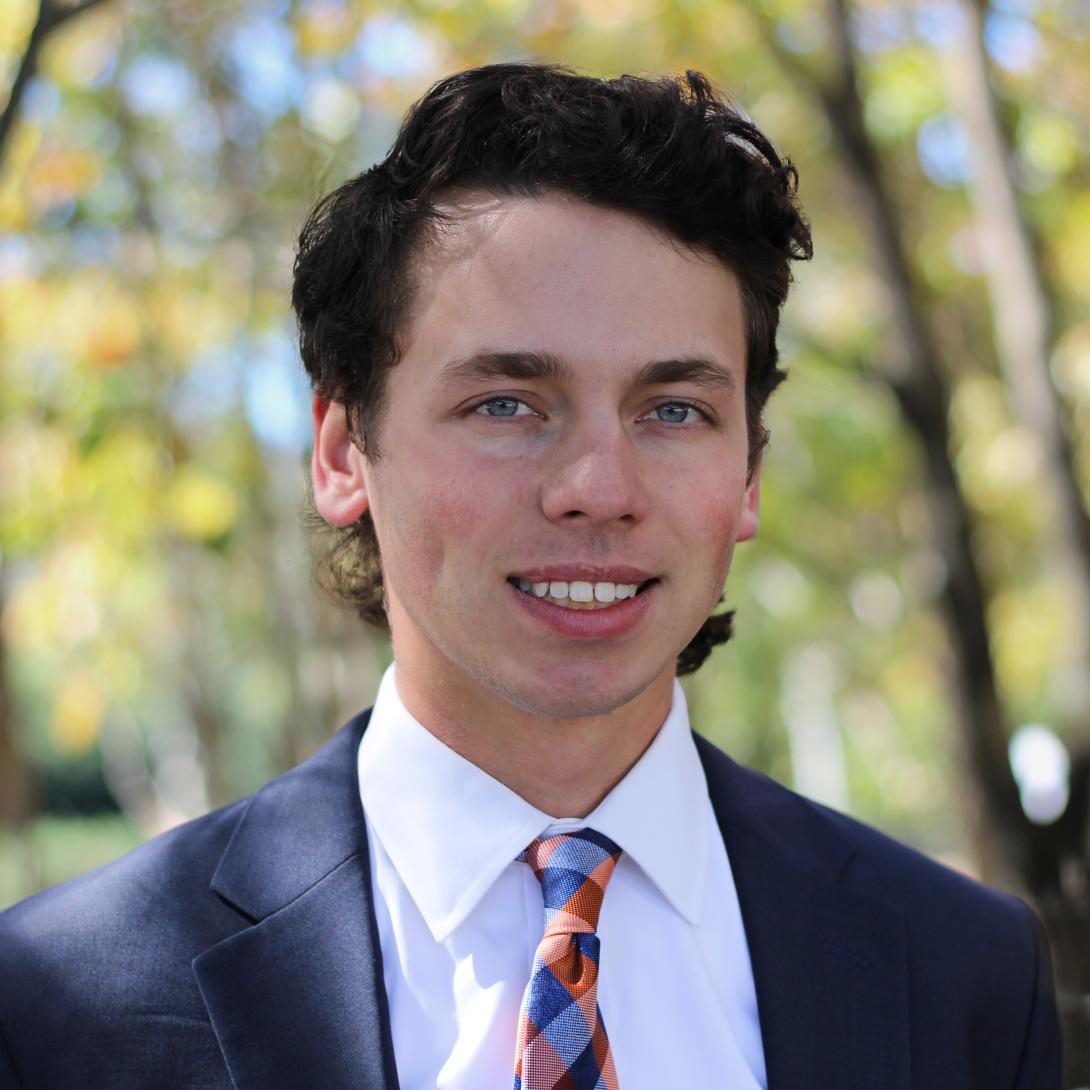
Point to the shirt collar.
(450, 829)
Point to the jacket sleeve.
(8, 1079)
(1041, 1066)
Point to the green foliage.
(53, 849)
(156, 601)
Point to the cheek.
(437, 525)
(711, 513)
(710, 500)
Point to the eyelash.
(495, 400)
(681, 405)
(479, 407)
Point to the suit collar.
(450, 829)
(829, 962)
(298, 999)
(296, 830)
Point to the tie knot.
(574, 870)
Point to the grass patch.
(53, 849)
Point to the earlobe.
(750, 517)
(336, 466)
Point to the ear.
(336, 466)
(751, 507)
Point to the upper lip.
(588, 573)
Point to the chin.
(571, 694)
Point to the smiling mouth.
(577, 594)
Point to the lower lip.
(587, 624)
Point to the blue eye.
(674, 412)
(500, 406)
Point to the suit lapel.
(297, 998)
(829, 963)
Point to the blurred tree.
(15, 781)
(50, 17)
(1049, 861)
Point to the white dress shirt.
(459, 920)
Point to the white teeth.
(581, 592)
(605, 592)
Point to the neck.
(563, 767)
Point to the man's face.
(569, 409)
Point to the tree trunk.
(14, 778)
(919, 384)
(1049, 863)
(50, 16)
(16, 782)
(1022, 322)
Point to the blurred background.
(913, 623)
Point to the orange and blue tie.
(562, 1042)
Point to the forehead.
(557, 275)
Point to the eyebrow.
(698, 370)
(517, 365)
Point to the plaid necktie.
(562, 1041)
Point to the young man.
(541, 334)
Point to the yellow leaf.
(185, 320)
(1032, 630)
(15, 26)
(1050, 142)
(37, 467)
(113, 335)
(14, 205)
(78, 711)
(120, 484)
(1073, 248)
(58, 175)
(81, 51)
(202, 507)
(324, 32)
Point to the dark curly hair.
(670, 151)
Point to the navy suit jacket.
(240, 951)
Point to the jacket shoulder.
(976, 968)
(152, 883)
(107, 955)
(846, 850)
(104, 963)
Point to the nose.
(596, 478)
